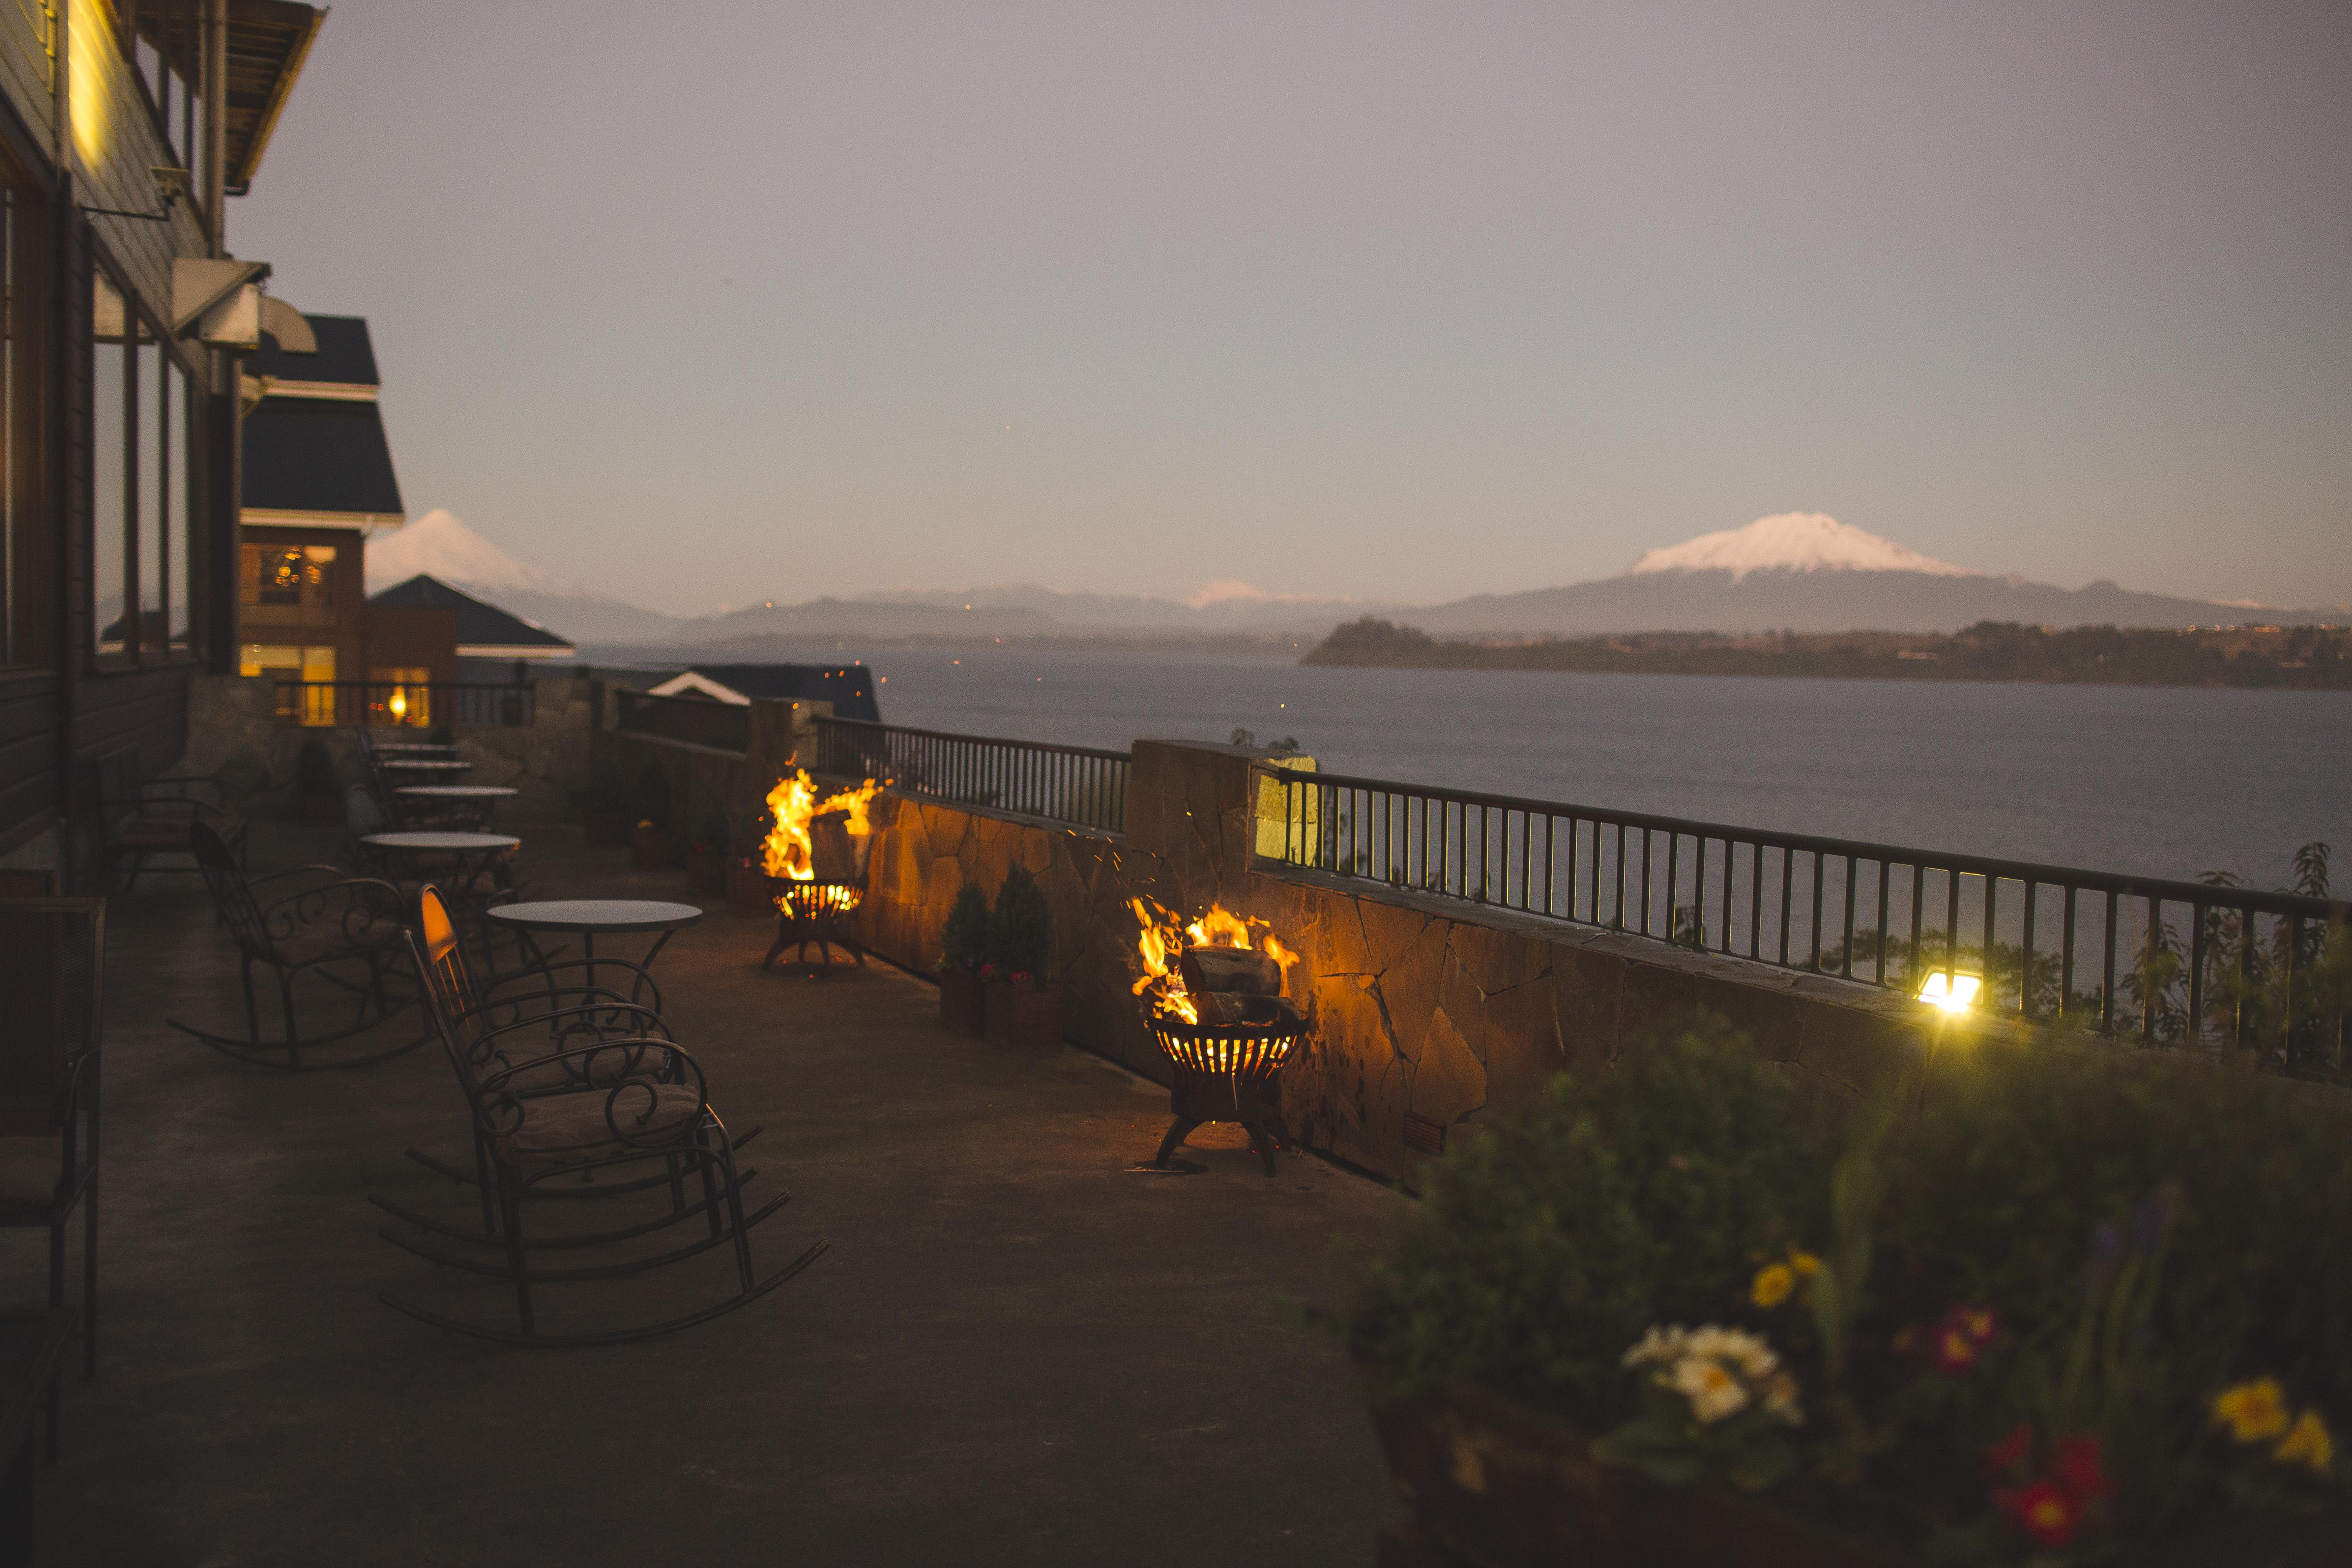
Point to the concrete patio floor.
(1014, 1352)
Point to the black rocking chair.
(321, 931)
(606, 1099)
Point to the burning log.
(1214, 969)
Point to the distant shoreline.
(2276, 658)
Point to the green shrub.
(2051, 1280)
(314, 770)
(1546, 1245)
(963, 938)
(1020, 928)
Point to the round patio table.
(424, 765)
(591, 918)
(441, 750)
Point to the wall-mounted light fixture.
(170, 185)
(1952, 992)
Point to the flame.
(1163, 941)
(790, 851)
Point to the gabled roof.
(305, 457)
(483, 630)
(848, 687)
(346, 356)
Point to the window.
(288, 583)
(140, 527)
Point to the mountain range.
(1797, 571)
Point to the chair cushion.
(28, 1171)
(603, 1070)
(573, 1126)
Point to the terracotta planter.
(706, 873)
(606, 826)
(1492, 1483)
(649, 848)
(1020, 1017)
(323, 810)
(748, 892)
(960, 993)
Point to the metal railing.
(2201, 964)
(1065, 784)
(421, 705)
(698, 720)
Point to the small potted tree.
(1023, 1008)
(649, 846)
(964, 948)
(314, 780)
(605, 807)
(706, 858)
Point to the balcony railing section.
(698, 720)
(413, 704)
(1077, 785)
(2205, 964)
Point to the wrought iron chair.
(137, 816)
(337, 932)
(52, 963)
(608, 1100)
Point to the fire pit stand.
(1225, 1072)
(814, 912)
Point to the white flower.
(1780, 1400)
(1734, 1347)
(1659, 1345)
(1713, 1391)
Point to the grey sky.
(738, 300)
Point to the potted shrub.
(705, 860)
(2076, 1309)
(605, 814)
(964, 948)
(649, 845)
(1023, 1008)
(314, 780)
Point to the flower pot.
(606, 826)
(960, 994)
(1021, 1018)
(323, 810)
(706, 873)
(748, 892)
(649, 848)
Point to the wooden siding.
(114, 144)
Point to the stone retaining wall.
(1421, 1006)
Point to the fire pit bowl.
(814, 912)
(1228, 1072)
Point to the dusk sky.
(742, 301)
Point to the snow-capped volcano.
(441, 545)
(1791, 541)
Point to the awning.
(267, 40)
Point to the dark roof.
(346, 356)
(848, 687)
(479, 625)
(316, 454)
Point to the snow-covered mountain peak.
(1791, 541)
(440, 544)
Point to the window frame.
(142, 329)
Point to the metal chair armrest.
(645, 981)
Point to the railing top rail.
(2288, 904)
(982, 740)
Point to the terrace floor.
(1013, 1353)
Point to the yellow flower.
(2252, 1411)
(1804, 1263)
(2307, 1443)
(1772, 1284)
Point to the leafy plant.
(314, 770)
(1021, 929)
(653, 796)
(963, 937)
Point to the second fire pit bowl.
(814, 912)
(1226, 1072)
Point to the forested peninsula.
(2307, 657)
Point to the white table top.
(438, 764)
(596, 914)
(458, 791)
(441, 841)
(420, 746)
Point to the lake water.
(2155, 781)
